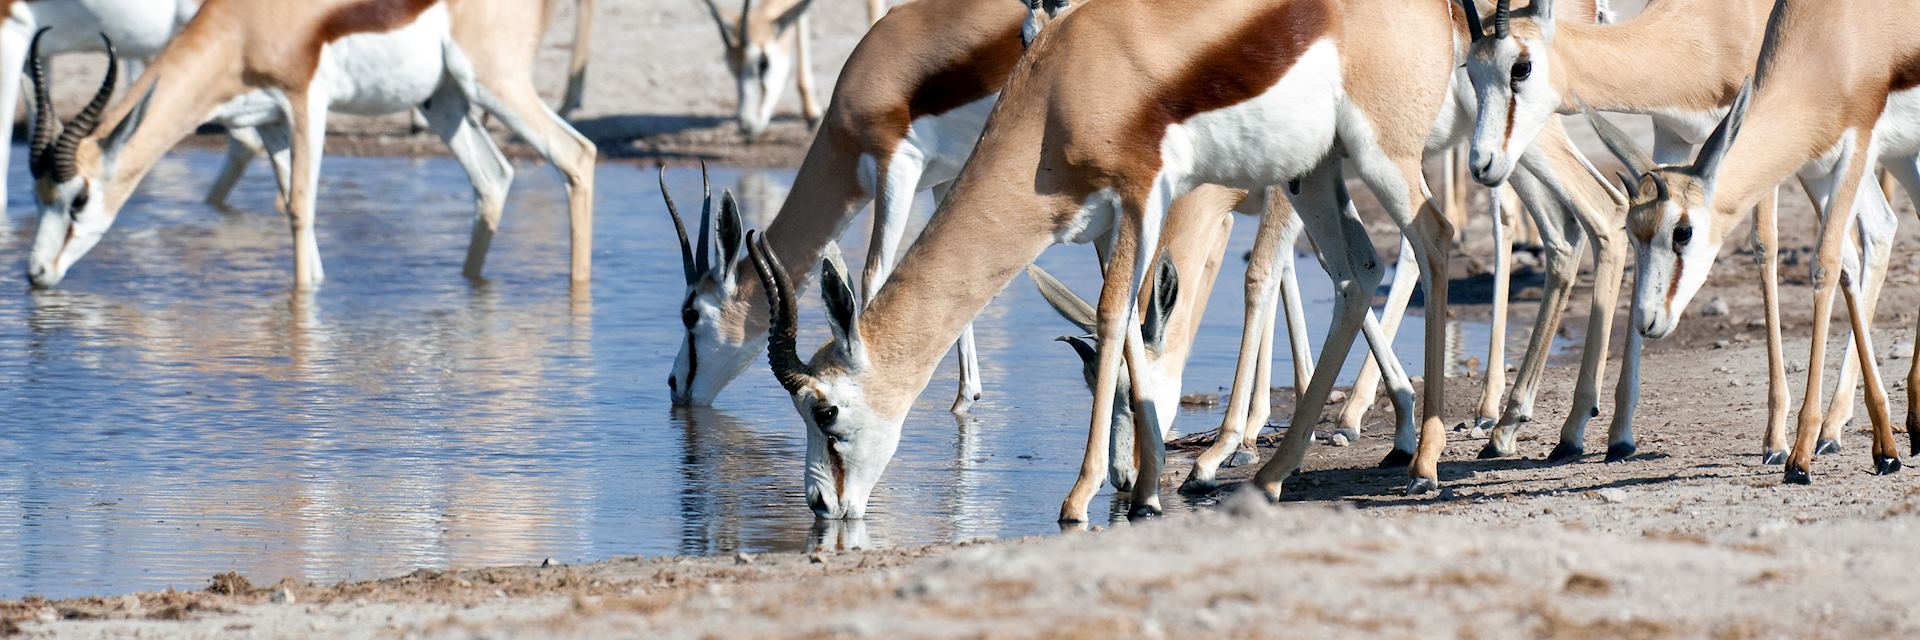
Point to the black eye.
(1522, 69)
(823, 417)
(1681, 235)
(763, 65)
(79, 203)
(689, 317)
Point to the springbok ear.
(1707, 166)
(1166, 292)
(1089, 356)
(1063, 300)
(788, 15)
(731, 231)
(727, 21)
(843, 315)
(123, 132)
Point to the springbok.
(1120, 108)
(765, 42)
(1837, 86)
(1537, 66)
(359, 56)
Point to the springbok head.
(850, 439)
(1160, 377)
(1512, 78)
(717, 347)
(71, 171)
(760, 40)
(1676, 229)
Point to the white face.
(73, 218)
(1515, 100)
(1676, 244)
(760, 71)
(848, 443)
(709, 358)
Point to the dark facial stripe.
(1679, 264)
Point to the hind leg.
(448, 115)
(515, 103)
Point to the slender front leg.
(1495, 381)
(1262, 405)
(309, 140)
(1766, 239)
(243, 143)
(14, 36)
(1827, 276)
(1268, 240)
(1563, 242)
(1876, 225)
(1138, 227)
(803, 73)
(1907, 171)
(582, 51)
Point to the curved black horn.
(46, 125)
(1473, 19)
(86, 121)
(783, 340)
(1502, 13)
(701, 262)
(679, 227)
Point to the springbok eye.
(1682, 235)
(1522, 70)
(764, 62)
(823, 417)
(689, 317)
(79, 203)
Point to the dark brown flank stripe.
(976, 76)
(1906, 73)
(1236, 68)
(366, 16)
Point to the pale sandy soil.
(1690, 538)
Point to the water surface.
(174, 411)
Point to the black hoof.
(1797, 476)
(1422, 486)
(1241, 458)
(1142, 512)
(1396, 458)
(1886, 466)
(1566, 451)
(1196, 486)
(1773, 457)
(1492, 451)
(1620, 451)
(1826, 446)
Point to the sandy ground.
(1692, 537)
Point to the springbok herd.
(1135, 125)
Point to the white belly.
(380, 73)
(1275, 137)
(1898, 132)
(139, 28)
(945, 141)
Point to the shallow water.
(174, 411)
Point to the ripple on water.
(173, 411)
